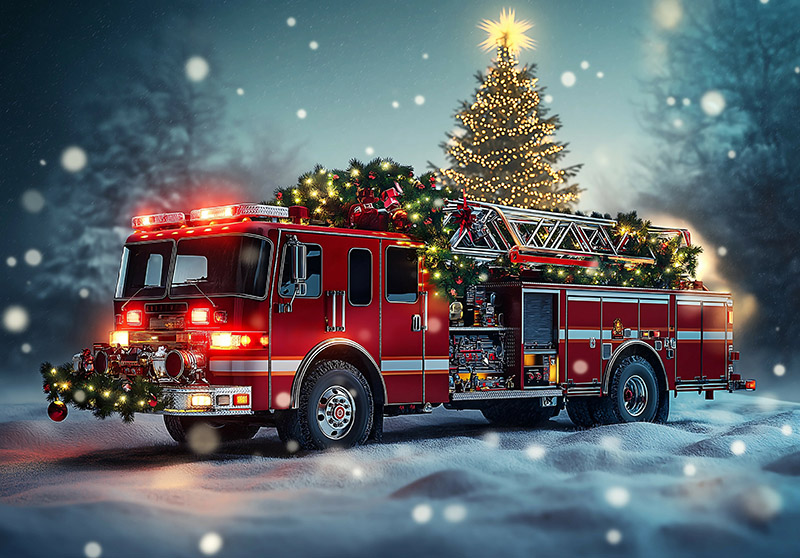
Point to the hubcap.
(335, 411)
(634, 393)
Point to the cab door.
(403, 321)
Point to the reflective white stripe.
(579, 334)
(607, 334)
(706, 303)
(583, 299)
(437, 364)
(689, 303)
(634, 334)
(285, 365)
(654, 301)
(680, 298)
(617, 299)
(688, 336)
(256, 365)
(562, 334)
(612, 294)
(714, 335)
(730, 336)
(394, 365)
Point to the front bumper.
(222, 400)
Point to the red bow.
(389, 197)
(465, 218)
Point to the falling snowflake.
(11, 261)
(33, 257)
(210, 543)
(568, 79)
(42, 162)
(424, 55)
(779, 370)
(422, 513)
(731, 154)
(419, 99)
(678, 123)
(203, 439)
(15, 319)
(455, 513)
(535, 452)
(197, 68)
(797, 69)
(73, 159)
(240, 91)
(611, 443)
(686, 101)
(291, 22)
(491, 439)
(668, 13)
(786, 430)
(600, 75)
(313, 45)
(358, 472)
(292, 446)
(712, 102)
(738, 447)
(301, 114)
(584, 65)
(369, 150)
(93, 549)
(689, 470)
(32, 201)
(764, 1)
(613, 536)
(722, 251)
(548, 99)
(671, 101)
(395, 104)
(83, 292)
(618, 496)
(26, 348)
(761, 503)
(283, 399)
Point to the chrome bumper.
(221, 397)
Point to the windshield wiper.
(196, 282)
(140, 289)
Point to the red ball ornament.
(153, 401)
(57, 411)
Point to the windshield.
(144, 268)
(233, 265)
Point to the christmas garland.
(383, 195)
(103, 394)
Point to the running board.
(705, 386)
(505, 394)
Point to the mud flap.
(376, 434)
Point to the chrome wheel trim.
(635, 395)
(335, 411)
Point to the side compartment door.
(402, 317)
(583, 339)
(715, 317)
(688, 333)
(654, 316)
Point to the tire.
(335, 409)
(518, 412)
(580, 411)
(179, 427)
(633, 394)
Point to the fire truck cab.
(250, 318)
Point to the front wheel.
(632, 396)
(179, 428)
(335, 409)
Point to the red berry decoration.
(46, 388)
(153, 401)
(57, 411)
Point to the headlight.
(118, 338)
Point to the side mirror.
(298, 253)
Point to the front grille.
(156, 308)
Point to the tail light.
(133, 317)
(750, 385)
(730, 316)
(241, 399)
(201, 316)
(230, 340)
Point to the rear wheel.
(518, 412)
(579, 410)
(632, 396)
(179, 428)
(335, 408)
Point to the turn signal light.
(750, 384)
(228, 340)
(200, 400)
(200, 316)
(133, 317)
(118, 338)
(241, 399)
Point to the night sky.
(324, 81)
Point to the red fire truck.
(251, 318)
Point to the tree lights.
(507, 154)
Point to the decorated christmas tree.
(503, 150)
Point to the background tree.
(725, 98)
(503, 150)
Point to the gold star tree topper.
(508, 32)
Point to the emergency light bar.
(158, 220)
(239, 211)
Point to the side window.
(313, 272)
(402, 274)
(359, 277)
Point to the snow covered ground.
(721, 479)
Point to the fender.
(621, 350)
(305, 364)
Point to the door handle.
(416, 322)
(334, 325)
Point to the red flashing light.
(238, 212)
(244, 340)
(241, 399)
(750, 385)
(229, 340)
(133, 318)
(200, 316)
(158, 220)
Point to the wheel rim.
(335, 411)
(634, 393)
